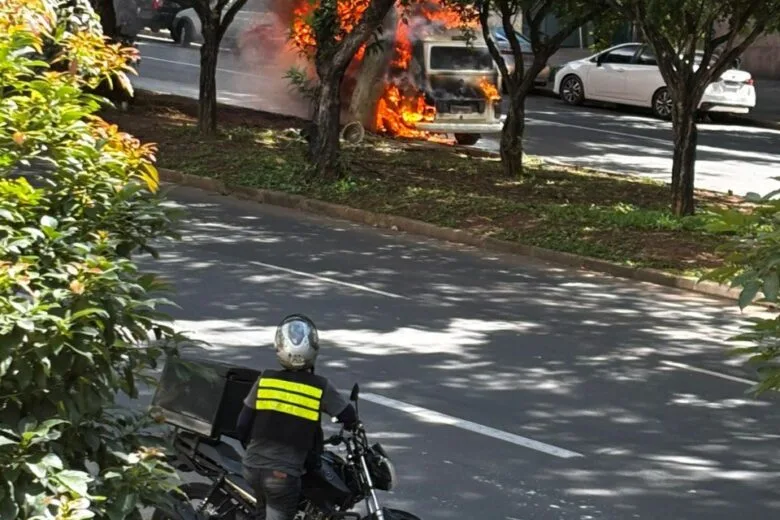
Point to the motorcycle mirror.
(355, 393)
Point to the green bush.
(753, 263)
(79, 322)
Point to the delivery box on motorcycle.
(204, 397)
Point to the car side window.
(646, 57)
(622, 55)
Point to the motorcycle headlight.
(381, 469)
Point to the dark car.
(157, 14)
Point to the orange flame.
(302, 37)
(397, 113)
(490, 90)
(403, 46)
(449, 18)
(398, 110)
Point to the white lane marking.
(440, 418)
(227, 71)
(709, 372)
(153, 40)
(359, 287)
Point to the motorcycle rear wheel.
(216, 509)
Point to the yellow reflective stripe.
(299, 388)
(287, 397)
(290, 409)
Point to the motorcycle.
(328, 493)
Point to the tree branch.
(229, 16)
(372, 17)
(535, 15)
(720, 40)
(201, 8)
(484, 13)
(507, 13)
(553, 44)
(727, 58)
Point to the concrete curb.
(416, 227)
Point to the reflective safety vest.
(288, 407)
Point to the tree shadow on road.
(576, 360)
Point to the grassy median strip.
(622, 219)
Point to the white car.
(628, 74)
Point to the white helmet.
(297, 342)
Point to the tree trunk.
(367, 89)
(512, 135)
(107, 13)
(207, 94)
(684, 158)
(324, 143)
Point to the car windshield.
(461, 58)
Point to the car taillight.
(156, 4)
(749, 81)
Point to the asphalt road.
(736, 158)
(627, 385)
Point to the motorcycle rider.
(281, 419)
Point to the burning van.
(441, 84)
(459, 82)
(424, 80)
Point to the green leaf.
(748, 293)
(122, 505)
(8, 508)
(80, 503)
(771, 286)
(76, 481)
(84, 313)
(5, 364)
(5, 441)
(48, 222)
(26, 324)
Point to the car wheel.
(572, 91)
(185, 33)
(467, 139)
(662, 104)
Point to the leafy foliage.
(77, 199)
(753, 263)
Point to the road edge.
(417, 227)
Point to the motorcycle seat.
(224, 456)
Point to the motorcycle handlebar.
(334, 440)
(339, 438)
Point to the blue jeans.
(277, 493)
